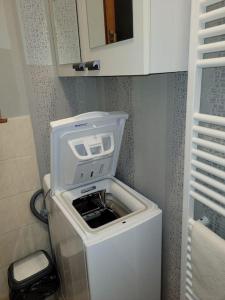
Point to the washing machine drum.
(33, 277)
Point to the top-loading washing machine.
(106, 237)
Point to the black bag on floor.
(33, 277)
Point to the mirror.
(109, 21)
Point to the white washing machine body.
(106, 237)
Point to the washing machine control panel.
(92, 146)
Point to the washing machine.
(106, 237)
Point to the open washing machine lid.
(85, 149)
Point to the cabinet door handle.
(79, 67)
(93, 65)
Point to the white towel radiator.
(204, 179)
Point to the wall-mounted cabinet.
(129, 37)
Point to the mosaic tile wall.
(116, 95)
(157, 101)
(35, 33)
(213, 91)
(176, 117)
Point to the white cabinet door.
(65, 31)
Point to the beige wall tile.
(36, 237)
(23, 137)
(8, 216)
(21, 242)
(11, 247)
(16, 138)
(25, 174)
(18, 175)
(6, 181)
(6, 140)
(7, 147)
(22, 204)
(15, 212)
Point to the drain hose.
(42, 215)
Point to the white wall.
(4, 35)
(13, 98)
